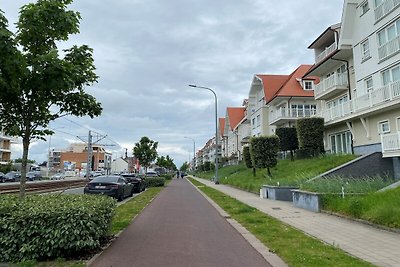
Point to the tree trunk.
(22, 186)
(269, 172)
(254, 172)
(291, 155)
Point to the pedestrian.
(177, 174)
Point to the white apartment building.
(236, 129)
(358, 62)
(5, 148)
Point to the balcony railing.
(373, 98)
(326, 52)
(390, 142)
(389, 49)
(384, 8)
(326, 85)
(292, 113)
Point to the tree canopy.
(145, 151)
(37, 84)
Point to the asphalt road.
(180, 228)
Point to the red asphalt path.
(180, 228)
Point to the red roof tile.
(236, 115)
(222, 126)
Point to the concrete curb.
(265, 252)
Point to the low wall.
(307, 200)
(283, 193)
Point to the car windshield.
(10, 174)
(105, 179)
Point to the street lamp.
(216, 181)
(194, 148)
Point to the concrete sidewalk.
(373, 245)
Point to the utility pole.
(89, 160)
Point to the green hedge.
(51, 226)
(155, 181)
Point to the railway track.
(42, 186)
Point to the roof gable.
(271, 84)
(236, 115)
(222, 126)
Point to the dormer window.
(308, 85)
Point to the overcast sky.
(148, 51)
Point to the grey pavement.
(180, 228)
(377, 246)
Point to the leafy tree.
(184, 167)
(19, 160)
(288, 139)
(207, 166)
(37, 85)
(166, 162)
(264, 151)
(247, 159)
(310, 133)
(145, 151)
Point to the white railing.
(331, 82)
(373, 98)
(390, 48)
(283, 113)
(390, 142)
(384, 8)
(326, 52)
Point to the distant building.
(5, 148)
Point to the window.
(258, 120)
(389, 33)
(365, 50)
(391, 75)
(341, 143)
(308, 85)
(364, 7)
(369, 85)
(384, 127)
(253, 122)
(378, 2)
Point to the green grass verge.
(286, 173)
(381, 208)
(293, 246)
(127, 211)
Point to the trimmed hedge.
(310, 133)
(155, 181)
(51, 226)
(247, 157)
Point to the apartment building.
(5, 148)
(358, 63)
(234, 116)
(279, 100)
(223, 139)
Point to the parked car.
(33, 176)
(58, 176)
(139, 183)
(110, 185)
(12, 176)
(2, 177)
(151, 174)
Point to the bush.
(264, 151)
(310, 133)
(155, 181)
(52, 226)
(247, 157)
(288, 139)
(168, 176)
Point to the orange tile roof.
(286, 85)
(236, 115)
(222, 126)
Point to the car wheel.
(131, 194)
(120, 197)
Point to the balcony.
(375, 100)
(385, 8)
(326, 52)
(389, 49)
(331, 86)
(283, 115)
(390, 145)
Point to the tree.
(37, 85)
(145, 151)
(288, 139)
(264, 151)
(19, 160)
(247, 159)
(184, 167)
(310, 133)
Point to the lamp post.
(194, 148)
(216, 181)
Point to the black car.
(110, 185)
(33, 176)
(2, 177)
(139, 183)
(12, 176)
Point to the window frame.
(364, 7)
(381, 130)
(365, 53)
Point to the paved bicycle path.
(180, 228)
(379, 247)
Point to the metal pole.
(216, 181)
(89, 161)
(48, 158)
(194, 148)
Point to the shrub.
(264, 151)
(288, 139)
(168, 176)
(51, 226)
(155, 181)
(310, 133)
(247, 157)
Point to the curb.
(265, 252)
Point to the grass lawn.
(381, 208)
(293, 246)
(287, 172)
